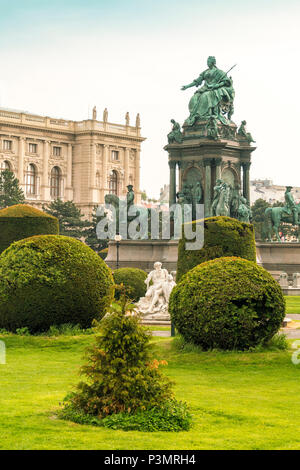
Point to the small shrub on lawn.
(122, 377)
(172, 416)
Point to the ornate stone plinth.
(203, 160)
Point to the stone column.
(104, 172)
(207, 189)
(126, 166)
(179, 164)
(21, 162)
(246, 180)
(137, 178)
(69, 189)
(172, 197)
(218, 168)
(93, 166)
(45, 178)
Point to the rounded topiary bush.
(223, 236)
(227, 303)
(22, 221)
(51, 280)
(133, 280)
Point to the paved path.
(293, 316)
(161, 333)
(289, 332)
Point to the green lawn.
(238, 400)
(292, 304)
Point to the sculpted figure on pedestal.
(159, 286)
(214, 98)
(244, 211)
(242, 131)
(175, 135)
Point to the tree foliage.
(70, 218)
(121, 374)
(10, 192)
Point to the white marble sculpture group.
(156, 301)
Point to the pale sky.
(61, 57)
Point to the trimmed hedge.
(22, 221)
(227, 303)
(133, 280)
(223, 236)
(51, 280)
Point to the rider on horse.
(290, 207)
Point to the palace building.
(74, 161)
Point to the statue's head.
(211, 61)
(157, 265)
(129, 187)
(244, 123)
(289, 188)
(173, 121)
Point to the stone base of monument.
(279, 257)
(143, 254)
(290, 290)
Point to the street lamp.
(118, 238)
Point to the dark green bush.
(223, 236)
(22, 221)
(227, 303)
(133, 280)
(51, 280)
(122, 376)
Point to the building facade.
(265, 189)
(74, 161)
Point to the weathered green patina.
(290, 213)
(175, 135)
(214, 98)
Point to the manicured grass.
(238, 400)
(292, 304)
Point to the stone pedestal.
(203, 159)
(274, 257)
(143, 253)
(279, 257)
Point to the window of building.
(7, 144)
(30, 179)
(5, 165)
(98, 179)
(115, 155)
(32, 148)
(55, 182)
(113, 183)
(57, 151)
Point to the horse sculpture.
(123, 215)
(274, 216)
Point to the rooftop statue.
(290, 213)
(214, 98)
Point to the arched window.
(55, 182)
(31, 179)
(113, 183)
(5, 165)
